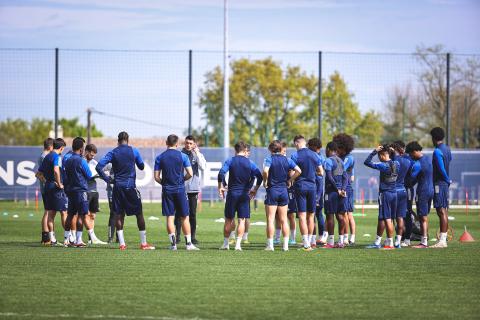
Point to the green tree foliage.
(267, 102)
(21, 132)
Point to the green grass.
(354, 283)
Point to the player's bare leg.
(330, 225)
(240, 231)
(400, 231)
(293, 227)
(390, 231)
(271, 212)
(227, 228)
(171, 231)
(302, 221)
(45, 237)
(120, 220)
(424, 228)
(245, 233)
(311, 228)
(378, 239)
(232, 231)
(51, 226)
(282, 219)
(341, 228)
(353, 227)
(186, 229)
(278, 229)
(443, 218)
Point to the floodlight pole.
(55, 124)
(226, 100)
(89, 125)
(448, 99)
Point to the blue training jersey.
(336, 176)
(279, 166)
(123, 159)
(77, 173)
(441, 164)
(422, 175)
(172, 164)
(308, 161)
(388, 172)
(50, 161)
(240, 169)
(349, 167)
(319, 179)
(65, 181)
(403, 169)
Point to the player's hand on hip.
(221, 192)
(252, 193)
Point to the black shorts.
(93, 206)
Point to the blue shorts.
(237, 203)
(349, 201)
(387, 204)
(276, 197)
(44, 200)
(175, 202)
(77, 203)
(440, 196)
(306, 200)
(292, 203)
(126, 201)
(334, 203)
(401, 211)
(55, 199)
(423, 205)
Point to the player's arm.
(157, 170)
(40, 176)
(187, 166)
(258, 176)
(319, 170)
(352, 177)
(414, 172)
(344, 184)
(376, 165)
(221, 177)
(57, 172)
(438, 160)
(295, 172)
(202, 163)
(266, 168)
(101, 164)
(138, 159)
(329, 173)
(86, 170)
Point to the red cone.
(466, 237)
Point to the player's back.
(123, 165)
(336, 166)
(172, 164)
(240, 173)
(78, 173)
(47, 165)
(388, 177)
(308, 161)
(403, 169)
(425, 177)
(441, 153)
(278, 172)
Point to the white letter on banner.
(147, 176)
(210, 174)
(8, 175)
(26, 173)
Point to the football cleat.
(268, 248)
(173, 248)
(276, 242)
(146, 246)
(46, 243)
(238, 249)
(123, 247)
(313, 245)
(53, 243)
(292, 242)
(328, 246)
(245, 241)
(373, 246)
(339, 245)
(439, 244)
(80, 245)
(97, 241)
(224, 247)
(308, 249)
(405, 244)
(387, 248)
(231, 241)
(420, 246)
(398, 246)
(192, 247)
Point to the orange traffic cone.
(466, 237)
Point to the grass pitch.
(102, 282)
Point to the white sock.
(389, 242)
(305, 240)
(238, 242)
(172, 239)
(407, 241)
(225, 242)
(378, 240)
(398, 240)
(340, 238)
(345, 237)
(121, 239)
(352, 238)
(232, 235)
(92, 235)
(188, 239)
(285, 243)
(79, 237)
(424, 241)
(443, 237)
(143, 236)
(313, 238)
(245, 236)
(277, 234)
(66, 235)
(270, 242)
(324, 236)
(293, 235)
(52, 236)
(331, 240)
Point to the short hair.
(437, 134)
(91, 148)
(47, 143)
(275, 146)
(413, 146)
(240, 146)
(284, 144)
(314, 144)
(58, 143)
(298, 137)
(398, 146)
(386, 148)
(172, 140)
(78, 143)
(191, 138)
(344, 142)
(332, 146)
(123, 136)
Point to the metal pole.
(89, 126)
(320, 95)
(465, 123)
(448, 99)
(190, 92)
(226, 102)
(56, 94)
(403, 118)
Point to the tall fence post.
(404, 103)
(89, 126)
(320, 95)
(448, 98)
(190, 92)
(56, 94)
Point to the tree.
(71, 128)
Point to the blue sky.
(347, 26)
